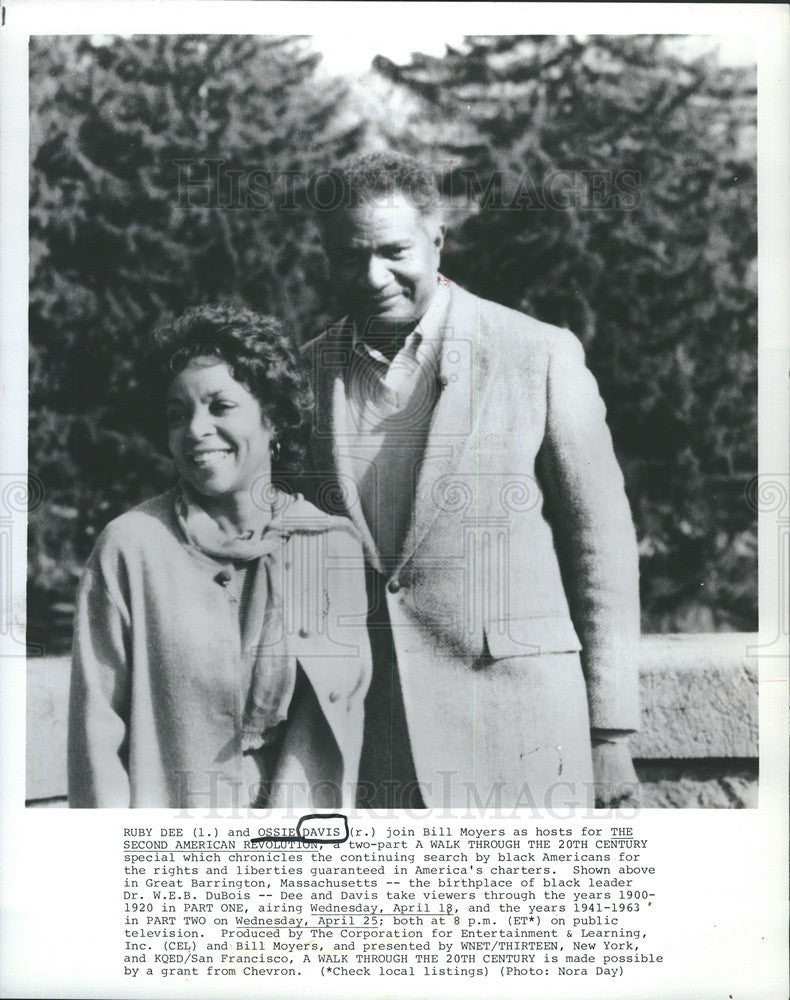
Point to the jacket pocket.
(531, 637)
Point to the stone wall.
(697, 746)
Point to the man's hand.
(615, 779)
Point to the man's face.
(384, 258)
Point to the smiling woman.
(216, 660)
(258, 360)
(218, 437)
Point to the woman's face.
(217, 435)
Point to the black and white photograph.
(497, 308)
(391, 418)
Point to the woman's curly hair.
(259, 355)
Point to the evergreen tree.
(165, 171)
(606, 185)
(598, 183)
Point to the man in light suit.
(469, 445)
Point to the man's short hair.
(358, 179)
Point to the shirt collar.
(427, 331)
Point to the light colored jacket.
(520, 553)
(157, 685)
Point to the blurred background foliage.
(600, 183)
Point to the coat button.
(334, 695)
(223, 578)
(304, 632)
(394, 585)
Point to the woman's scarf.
(273, 668)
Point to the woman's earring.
(274, 450)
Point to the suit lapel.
(344, 472)
(454, 423)
(466, 387)
(330, 373)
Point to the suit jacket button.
(334, 695)
(394, 585)
(304, 632)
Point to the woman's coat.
(158, 688)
